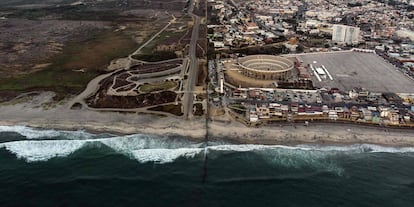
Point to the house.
(367, 114)
(354, 113)
(394, 116)
(218, 44)
(358, 93)
(333, 115)
(343, 112)
(263, 111)
(253, 117)
(275, 109)
(294, 107)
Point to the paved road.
(91, 88)
(188, 98)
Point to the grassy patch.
(170, 108)
(167, 38)
(97, 52)
(17, 101)
(156, 56)
(238, 108)
(148, 88)
(199, 111)
(91, 55)
(156, 41)
(54, 79)
(80, 12)
(202, 74)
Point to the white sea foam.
(138, 141)
(32, 133)
(42, 150)
(300, 158)
(358, 148)
(252, 147)
(319, 158)
(147, 148)
(161, 149)
(164, 155)
(144, 148)
(238, 148)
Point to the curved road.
(188, 98)
(91, 88)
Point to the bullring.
(265, 67)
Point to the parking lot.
(357, 69)
(283, 96)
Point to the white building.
(345, 34)
(218, 44)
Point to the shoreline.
(33, 114)
(325, 134)
(318, 134)
(118, 130)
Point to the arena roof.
(265, 63)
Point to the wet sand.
(315, 133)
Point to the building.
(265, 67)
(343, 34)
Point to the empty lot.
(357, 69)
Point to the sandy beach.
(315, 133)
(36, 112)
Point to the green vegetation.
(155, 57)
(238, 108)
(147, 53)
(55, 79)
(170, 108)
(96, 52)
(165, 35)
(80, 12)
(199, 111)
(148, 88)
(23, 99)
(91, 56)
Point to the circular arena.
(265, 67)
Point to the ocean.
(40, 167)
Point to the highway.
(188, 98)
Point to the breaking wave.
(165, 155)
(163, 149)
(140, 147)
(32, 133)
(42, 150)
(358, 148)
